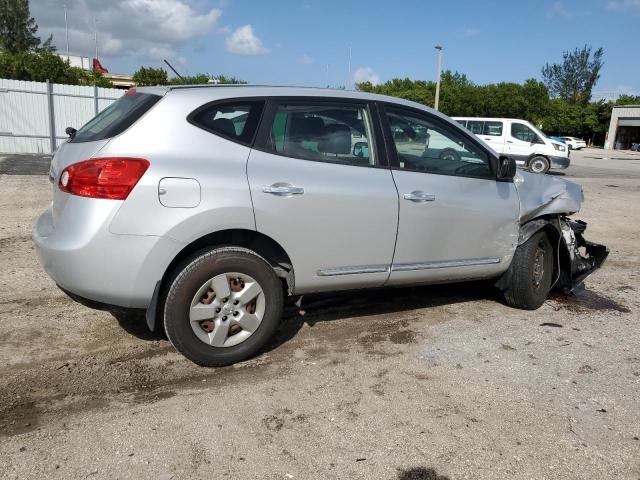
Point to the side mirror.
(70, 131)
(361, 149)
(506, 168)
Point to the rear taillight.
(111, 178)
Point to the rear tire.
(539, 164)
(531, 273)
(220, 336)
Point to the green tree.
(45, 65)
(628, 100)
(205, 78)
(18, 28)
(574, 78)
(461, 97)
(150, 76)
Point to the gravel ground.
(416, 383)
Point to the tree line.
(560, 104)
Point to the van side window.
(493, 129)
(521, 132)
(329, 133)
(235, 121)
(475, 126)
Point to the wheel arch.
(255, 241)
(550, 224)
(534, 155)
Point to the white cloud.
(625, 6)
(558, 10)
(612, 93)
(305, 59)
(150, 29)
(468, 32)
(366, 74)
(244, 42)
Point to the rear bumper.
(88, 261)
(559, 162)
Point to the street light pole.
(66, 30)
(439, 48)
(95, 34)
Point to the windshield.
(116, 118)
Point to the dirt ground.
(416, 383)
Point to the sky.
(307, 42)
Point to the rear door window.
(237, 120)
(329, 132)
(116, 118)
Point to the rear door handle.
(509, 141)
(419, 197)
(282, 189)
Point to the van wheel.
(531, 273)
(539, 164)
(223, 306)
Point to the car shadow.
(327, 307)
(134, 323)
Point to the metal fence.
(34, 115)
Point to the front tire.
(223, 306)
(531, 273)
(539, 164)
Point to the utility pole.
(439, 48)
(95, 35)
(349, 71)
(327, 73)
(66, 30)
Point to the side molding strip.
(329, 272)
(405, 267)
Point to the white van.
(520, 140)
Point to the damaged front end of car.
(577, 257)
(546, 203)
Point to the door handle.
(509, 141)
(282, 189)
(419, 197)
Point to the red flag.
(97, 67)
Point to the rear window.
(236, 120)
(116, 118)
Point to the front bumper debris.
(580, 257)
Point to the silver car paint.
(470, 221)
(346, 218)
(116, 252)
(545, 195)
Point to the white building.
(624, 129)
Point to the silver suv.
(207, 206)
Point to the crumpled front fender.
(546, 195)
